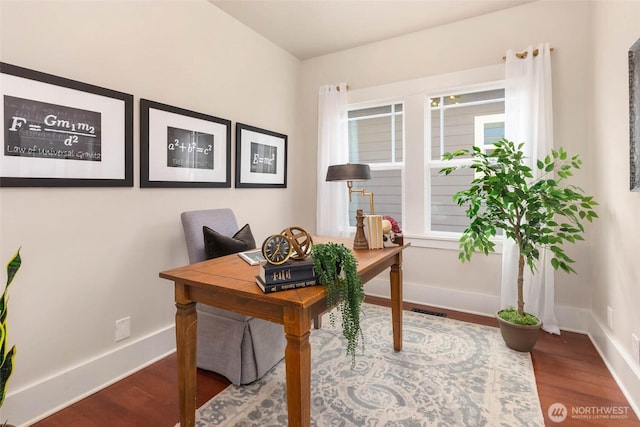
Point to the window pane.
(493, 132)
(458, 122)
(465, 98)
(489, 129)
(376, 135)
(373, 111)
(453, 126)
(370, 140)
(399, 138)
(446, 215)
(386, 186)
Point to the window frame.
(437, 164)
(393, 165)
(415, 95)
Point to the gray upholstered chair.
(241, 348)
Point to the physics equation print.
(261, 158)
(61, 132)
(183, 148)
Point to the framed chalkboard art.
(261, 158)
(59, 132)
(183, 148)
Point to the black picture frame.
(634, 116)
(180, 148)
(261, 158)
(59, 132)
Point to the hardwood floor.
(568, 370)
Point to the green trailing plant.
(7, 357)
(337, 269)
(535, 212)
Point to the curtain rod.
(522, 55)
(338, 88)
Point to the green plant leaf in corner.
(6, 369)
(7, 358)
(12, 268)
(536, 213)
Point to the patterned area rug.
(449, 373)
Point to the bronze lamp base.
(360, 241)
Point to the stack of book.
(290, 275)
(373, 231)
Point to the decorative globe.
(301, 242)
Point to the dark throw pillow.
(217, 245)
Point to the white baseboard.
(619, 363)
(36, 401)
(570, 318)
(625, 372)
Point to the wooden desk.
(229, 283)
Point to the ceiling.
(310, 28)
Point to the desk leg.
(317, 322)
(396, 302)
(186, 328)
(298, 368)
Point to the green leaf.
(13, 266)
(7, 358)
(447, 170)
(6, 369)
(336, 269)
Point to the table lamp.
(351, 172)
(354, 172)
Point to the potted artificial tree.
(6, 357)
(535, 212)
(337, 270)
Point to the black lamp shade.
(348, 172)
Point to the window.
(376, 137)
(401, 130)
(458, 121)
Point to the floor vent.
(432, 313)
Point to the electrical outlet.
(123, 328)
(610, 317)
(635, 348)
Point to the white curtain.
(529, 119)
(332, 218)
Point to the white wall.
(474, 43)
(91, 256)
(616, 243)
(586, 36)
